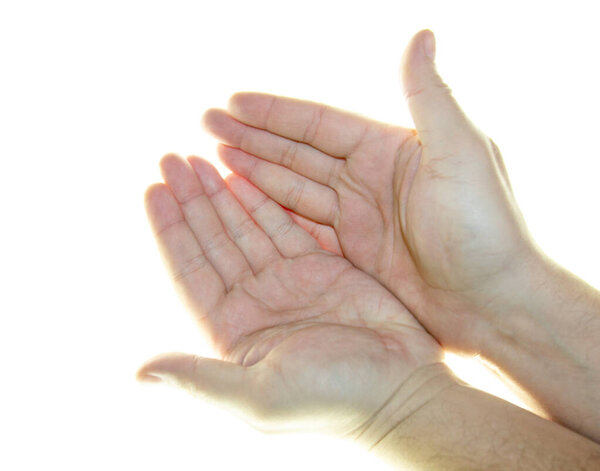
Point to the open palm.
(428, 212)
(304, 335)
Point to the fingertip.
(209, 176)
(242, 188)
(143, 377)
(223, 148)
(161, 206)
(162, 364)
(418, 54)
(153, 191)
(246, 105)
(234, 159)
(168, 159)
(146, 373)
(212, 119)
(223, 151)
(429, 43)
(170, 164)
(153, 194)
(194, 161)
(237, 99)
(232, 178)
(426, 39)
(233, 182)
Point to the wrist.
(547, 330)
(461, 428)
(421, 388)
(546, 307)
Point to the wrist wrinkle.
(421, 388)
(554, 311)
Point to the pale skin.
(430, 213)
(308, 341)
(305, 335)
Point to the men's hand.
(308, 341)
(429, 213)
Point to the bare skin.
(429, 213)
(399, 202)
(303, 335)
(309, 342)
(462, 428)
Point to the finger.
(324, 235)
(289, 238)
(223, 254)
(301, 158)
(440, 122)
(335, 132)
(242, 230)
(223, 383)
(184, 258)
(301, 195)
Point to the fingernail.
(429, 45)
(148, 378)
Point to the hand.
(307, 340)
(429, 213)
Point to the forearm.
(439, 423)
(547, 339)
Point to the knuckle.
(190, 267)
(310, 133)
(333, 174)
(333, 213)
(253, 209)
(283, 229)
(216, 242)
(242, 230)
(288, 158)
(252, 169)
(294, 194)
(243, 138)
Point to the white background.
(92, 94)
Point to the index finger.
(333, 131)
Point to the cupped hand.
(428, 212)
(306, 340)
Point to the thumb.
(227, 384)
(438, 119)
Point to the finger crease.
(294, 194)
(252, 169)
(169, 226)
(264, 200)
(282, 229)
(216, 242)
(242, 230)
(360, 140)
(189, 199)
(332, 176)
(190, 267)
(311, 131)
(289, 155)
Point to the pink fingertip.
(208, 175)
(145, 377)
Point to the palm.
(362, 208)
(319, 331)
(434, 238)
(401, 221)
(368, 217)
